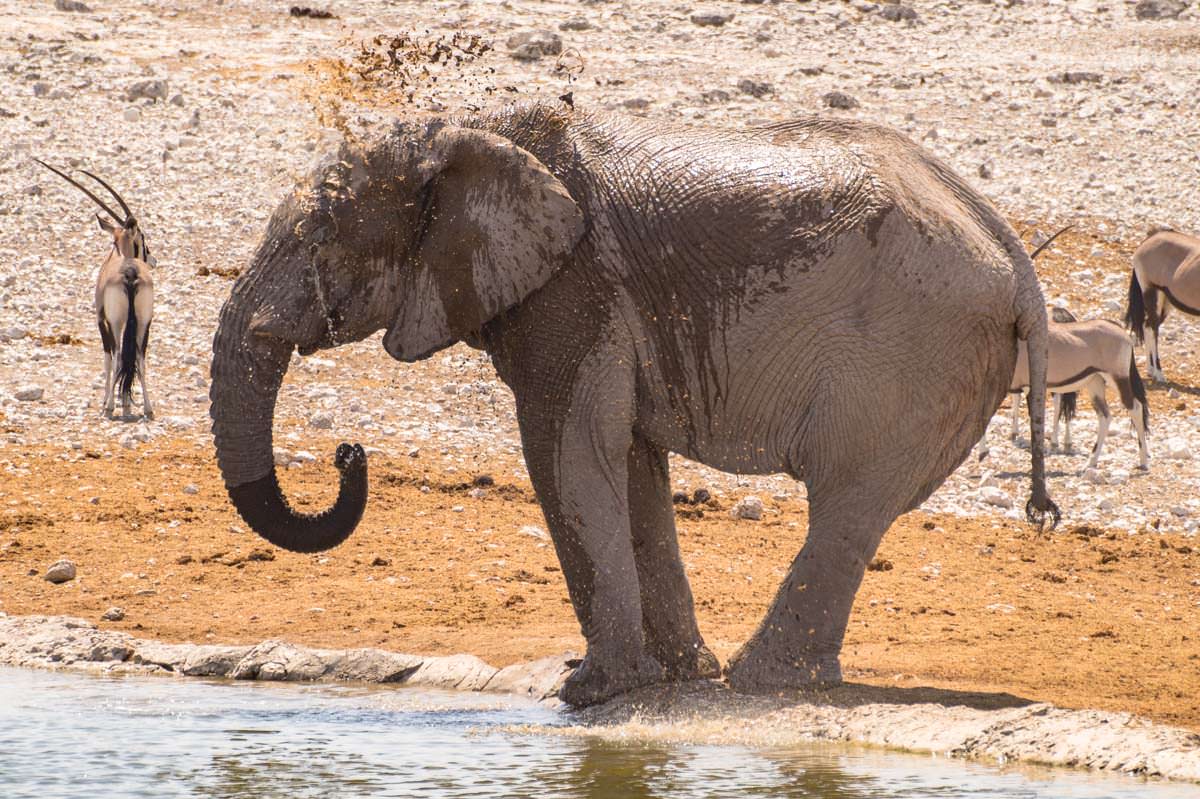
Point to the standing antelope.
(1085, 356)
(1166, 273)
(124, 301)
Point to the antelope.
(1166, 273)
(124, 301)
(1085, 356)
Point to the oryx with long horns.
(124, 300)
(1085, 356)
(1166, 275)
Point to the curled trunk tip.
(262, 505)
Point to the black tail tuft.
(129, 339)
(1135, 310)
(1067, 406)
(1139, 391)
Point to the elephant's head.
(430, 231)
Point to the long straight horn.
(76, 184)
(117, 197)
(1048, 241)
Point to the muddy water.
(68, 735)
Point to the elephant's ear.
(497, 226)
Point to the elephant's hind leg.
(798, 642)
(668, 616)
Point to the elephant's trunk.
(247, 370)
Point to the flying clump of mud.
(401, 73)
(407, 73)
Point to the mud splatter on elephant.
(820, 298)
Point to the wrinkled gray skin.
(819, 298)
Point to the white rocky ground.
(1060, 111)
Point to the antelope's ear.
(498, 224)
(105, 225)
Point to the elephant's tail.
(1030, 309)
(1031, 326)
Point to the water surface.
(68, 735)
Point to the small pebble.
(60, 572)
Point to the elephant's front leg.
(577, 450)
(668, 616)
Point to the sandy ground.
(1082, 618)
(1104, 613)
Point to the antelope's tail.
(129, 353)
(1135, 309)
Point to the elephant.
(818, 297)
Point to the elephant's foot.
(593, 683)
(758, 668)
(697, 662)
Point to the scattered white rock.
(710, 19)
(28, 393)
(1177, 448)
(536, 532)
(532, 45)
(748, 507)
(321, 420)
(840, 100)
(114, 614)
(147, 90)
(995, 496)
(1159, 9)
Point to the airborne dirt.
(1061, 113)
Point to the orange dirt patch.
(1081, 618)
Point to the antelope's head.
(128, 239)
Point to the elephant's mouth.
(332, 335)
